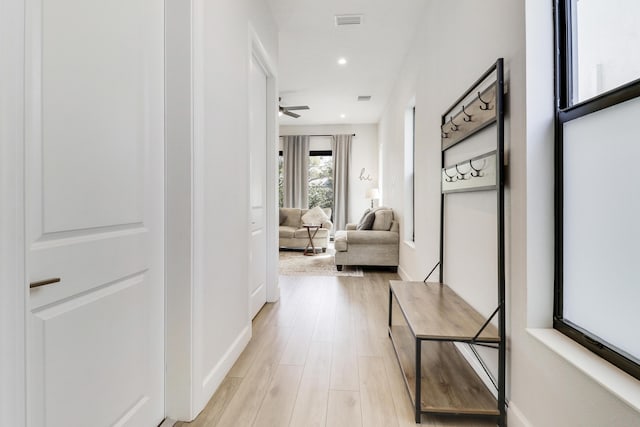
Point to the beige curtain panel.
(295, 151)
(341, 147)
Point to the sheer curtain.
(341, 147)
(295, 151)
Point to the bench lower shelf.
(448, 383)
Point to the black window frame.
(565, 111)
(313, 153)
(413, 176)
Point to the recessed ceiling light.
(342, 116)
(342, 61)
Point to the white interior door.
(94, 183)
(257, 167)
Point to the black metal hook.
(449, 178)
(467, 117)
(454, 127)
(461, 175)
(477, 172)
(486, 104)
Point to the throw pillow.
(366, 211)
(367, 221)
(283, 217)
(314, 216)
(383, 220)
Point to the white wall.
(436, 83)
(450, 51)
(208, 157)
(364, 154)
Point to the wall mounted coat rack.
(470, 118)
(485, 172)
(476, 174)
(430, 318)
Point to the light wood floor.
(321, 356)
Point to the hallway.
(321, 356)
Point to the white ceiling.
(310, 45)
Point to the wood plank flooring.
(321, 356)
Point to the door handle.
(44, 282)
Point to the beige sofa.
(293, 235)
(377, 247)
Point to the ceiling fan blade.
(297, 107)
(294, 115)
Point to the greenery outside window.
(320, 183)
(321, 179)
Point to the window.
(320, 181)
(409, 167)
(597, 203)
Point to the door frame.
(257, 50)
(13, 297)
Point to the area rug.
(295, 263)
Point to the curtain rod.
(353, 134)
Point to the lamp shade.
(373, 194)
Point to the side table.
(310, 228)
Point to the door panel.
(94, 182)
(95, 104)
(257, 167)
(91, 353)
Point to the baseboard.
(403, 274)
(214, 378)
(516, 418)
(168, 422)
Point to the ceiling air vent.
(364, 98)
(342, 20)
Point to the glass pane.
(321, 181)
(606, 38)
(601, 282)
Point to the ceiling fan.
(287, 110)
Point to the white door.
(94, 183)
(257, 167)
